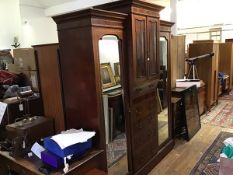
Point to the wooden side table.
(179, 111)
(176, 115)
(188, 121)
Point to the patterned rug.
(116, 149)
(221, 115)
(208, 165)
(227, 95)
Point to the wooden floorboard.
(184, 156)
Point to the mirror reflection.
(116, 148)
(162, 93)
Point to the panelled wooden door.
(143, 103)
(153, 42)
(140, 67)
(146, 48)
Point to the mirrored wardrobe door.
(113, 104)
(162, 91)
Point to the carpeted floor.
(208, 165)
(116, 149)
(221, 115)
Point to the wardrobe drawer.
(145, 108)
(144, 88)
(141, 137)
(146, 134)
(144, 124)
(141, 155)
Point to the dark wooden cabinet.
(179, 110)
(209, 65)
(142, 74)
(136, 24)
(141, 70)
(189, 122)
(79, 34)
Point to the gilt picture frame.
(107, 76)
(117, 69)
(117, 72)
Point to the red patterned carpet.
(221, 115)
(116, 149)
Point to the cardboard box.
(32, 79)
(13, 68)
(24, 59)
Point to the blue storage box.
(51, 159)
(77, 149)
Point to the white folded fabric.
(70, 138)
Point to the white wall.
(165, 14)
(73, 6)
(195, 18)
(81, 4)
(36, 27)
(10, 22)
(193, 13)
(31, 24)
(109, 52)
(173, 15)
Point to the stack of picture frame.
(107, 77)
